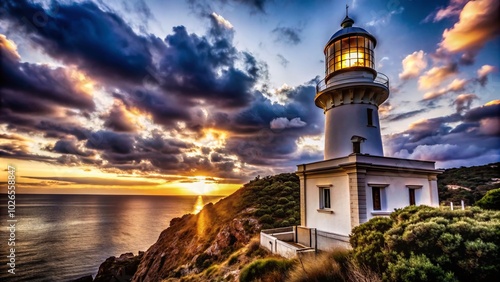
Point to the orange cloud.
(10, 46)
(436, 75)
(477, 25)
(413, 65)
(482, 73)
(455, 86)
(451, 10)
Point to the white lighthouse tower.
(351, 93)
(355, 182)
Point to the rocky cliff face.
(215, 242)
(118, 269)
(195, 242)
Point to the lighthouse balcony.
(353, 78)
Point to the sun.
(201, 186)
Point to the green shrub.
(266, 219)
(283, 201)
(417, 269)
(279, 213)
(463, 243)
(260, 268)
(262, 211)
(285, 223)
(491, 200)
(367, 241)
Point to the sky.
(198, 97)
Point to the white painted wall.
(342, 122)
(340, 220)
(396, 195)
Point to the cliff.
(218, 241)
(212, 241)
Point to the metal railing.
(381, 79)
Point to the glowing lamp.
(349, 48)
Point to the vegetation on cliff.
(422, 243)
(468, 183)
(215, 241)
(221, 242)
(491, 200)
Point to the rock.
(120, 269)
(87, 278)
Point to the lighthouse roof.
(350, 31)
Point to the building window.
(369, 113)
(413, 193)
(325, 198)
(377, 201)
(412, 196)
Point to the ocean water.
(64, 237)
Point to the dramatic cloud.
(221, 21)
(283, 122)
(450, 139)
(436, 75)
(287, 35)
(72, 32)
(119, 119)
(453, 9)
(464, 101)
(70, 146)
(455, 85)
(483, 72)
(477, 25)
(413, 65)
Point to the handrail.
(381, 79)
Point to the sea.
(64, 237)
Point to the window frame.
(380, 208)
(325, 199)
(415, 189)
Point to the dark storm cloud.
(192, 67)
(165, 109)
(479, 113)
(190, 72)
(117, 120)
(70, 146)
(255, 142)
(37, 88)
(451, 139)
(287, 35)
(113, 142)
(99, 42)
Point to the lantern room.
(349, 48)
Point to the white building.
(354, 182)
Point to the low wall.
(275, 245)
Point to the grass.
(267, 269)
(335, 265)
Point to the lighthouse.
(355, 181)
(351, 93)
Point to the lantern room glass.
(352, 51)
